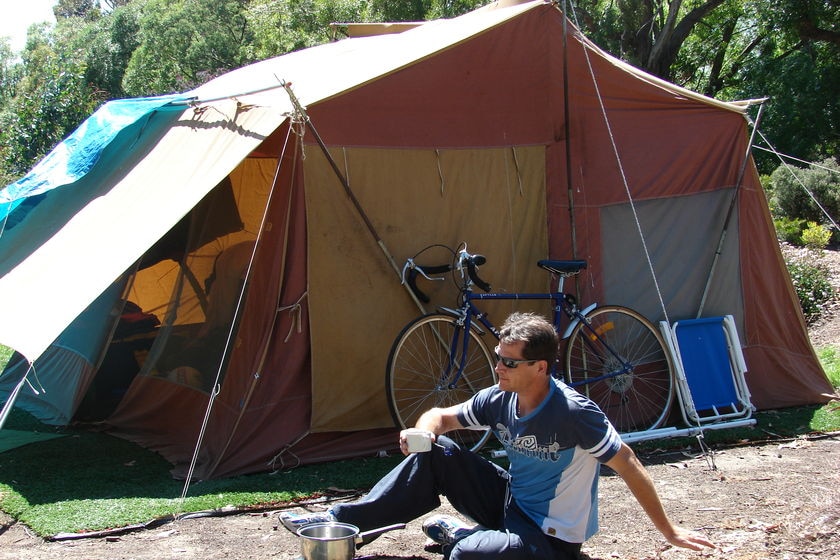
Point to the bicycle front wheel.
(618, 359)
(423, 372)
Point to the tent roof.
(233, 114)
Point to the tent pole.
(10, 402)
(729, 212)
(299, 109)
(567, 132)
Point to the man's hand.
(688, 539)
(404, 440)
(437, 421)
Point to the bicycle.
(613, 354)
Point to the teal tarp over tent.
(453, 131)
(76, 155)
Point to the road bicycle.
(610, 353)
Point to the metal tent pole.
(729, 212)
(300, 110)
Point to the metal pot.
(335, 541)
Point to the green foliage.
(816, 236)
(812, 286)
(10, 73)
(281, 26)
(106, 44)
(183, 43)
(806, 194)
(789, 230)
(50, 101)
(795, 67)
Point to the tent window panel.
(195, 288)
(682, 268)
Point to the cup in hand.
(418, 441)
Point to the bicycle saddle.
(564, 268)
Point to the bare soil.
(778, 500)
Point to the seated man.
(545, 505)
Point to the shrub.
(812, 287)
(790, 192)
(816, 236)
(789, 230)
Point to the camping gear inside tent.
(504, 128)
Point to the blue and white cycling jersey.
(554, 452)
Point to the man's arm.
(634, 474)
(436, 420)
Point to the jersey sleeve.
(476, 412)
(595, 432)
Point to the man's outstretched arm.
(634, 474)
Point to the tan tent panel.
(453, 131)
(494, 196)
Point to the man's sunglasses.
(510, 363)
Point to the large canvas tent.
(504, 128)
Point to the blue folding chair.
(710, 369)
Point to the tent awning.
(117, 215)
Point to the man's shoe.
(447, 530)
(294, 521)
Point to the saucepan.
(335, 541)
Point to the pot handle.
(362, 538)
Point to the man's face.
(525, 373)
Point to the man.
(545, 505)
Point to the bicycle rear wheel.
(618, 359)
(420, 375)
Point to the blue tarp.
(70, 160)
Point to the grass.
(88, 481)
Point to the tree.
(106, 43)
(184, 43)
(811, 194)
(647, 33)
(51, 99)
(76, 8)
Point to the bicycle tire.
(638, 400)
(416, 376)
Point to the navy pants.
(476, 488)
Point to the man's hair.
(535, 331)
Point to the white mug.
(418, 441)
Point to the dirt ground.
(777, 500)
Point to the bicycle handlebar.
(411, 270)
(471, 262)
(465, 260)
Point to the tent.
(504, 128)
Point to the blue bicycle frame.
(561, 308)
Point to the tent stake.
(299, 109)
(729, 212)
